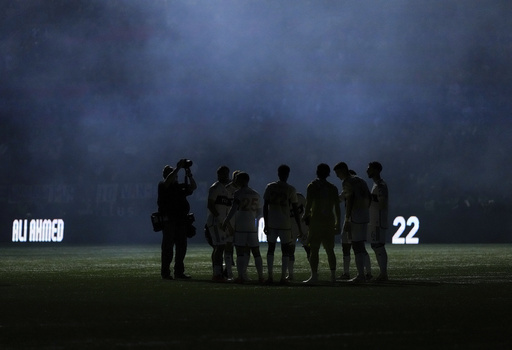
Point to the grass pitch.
(439, 296)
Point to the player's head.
(283, 172)
(341, 170)
(242, 179)
(223, 173)
(374, 169)
(234, 177)
(323, 171)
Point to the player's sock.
(346, 264)
(291, 264)
(259, 266)
(240, 267)
(284, 267)
(367, 264)
(382, 260)
(270, 266)
(228, 258)
(217, 270)
(360, 258)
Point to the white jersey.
(223, 200)
(379, 205)
(248, 203)
(356, 188)
(279, 196)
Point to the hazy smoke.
(111, 91)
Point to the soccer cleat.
(344, 277)
(167, 277)
(311, 281)
(239, 280)
(284, 282)
(381, 278)
(358, 279)
(368, 276)
(269, 281)
(182, 276)
(219, 279)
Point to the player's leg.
(358, 234)
(217, 267)
(314, 245)
(272, 242)
(345, 248)
(218, 237)
(254, 244)
(228, 258)
(240, 242)
(286, 241)
(359, 257)
(291, 262)
(367, 266)
(379, 247)
(328, 243)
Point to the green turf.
(444, 296)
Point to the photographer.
(174, 206)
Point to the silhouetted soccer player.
(379, 218)
(322, 214)
(346, 246)
(246, 209)
(232, 187)
(219, 204)
(357, 199)
(279, 198)
(173, 204)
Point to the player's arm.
(232, 211)
(337, 211)
(307, 208)
(265, 214)
(296, 216)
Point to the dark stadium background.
(97, 96)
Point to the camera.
(186, 163)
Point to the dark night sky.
(107, 92)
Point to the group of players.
(234, 209)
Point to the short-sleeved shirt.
(279, 196)
(249, 208)
(356, 187)
(321, 199)
(223, 200)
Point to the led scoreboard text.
(38, 230)
(398, 236)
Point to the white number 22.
(409, 239)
